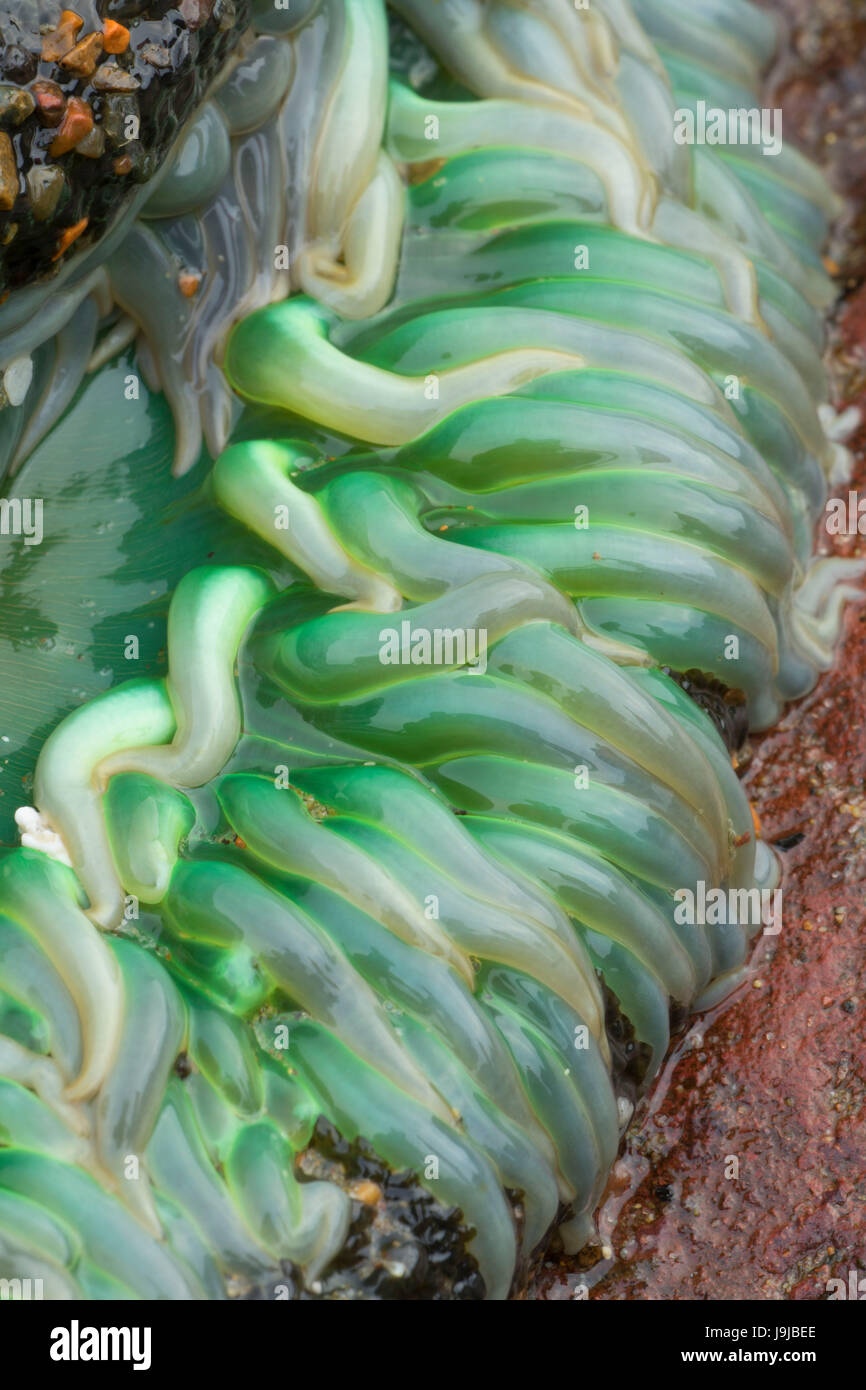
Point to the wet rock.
(62, 68)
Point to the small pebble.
(82, 59)
(8, 174)
(16, 104)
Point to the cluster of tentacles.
(360, 937)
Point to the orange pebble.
(77, 122)
(67, 237)
(115, 38)
(188, 285)
(370, 1193)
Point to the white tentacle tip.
(841, 426)
(17, 378)
(36, 834)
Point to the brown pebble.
(93, 145)
(155, 54)
(196, 12)
(60, 40)
(122, 165)
(16, 104)
(8, 174)
(370, 1193)
(50, 100)
(189, 287)
(82, 59)
(10, 232)
(45, 183)
(110, 78)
